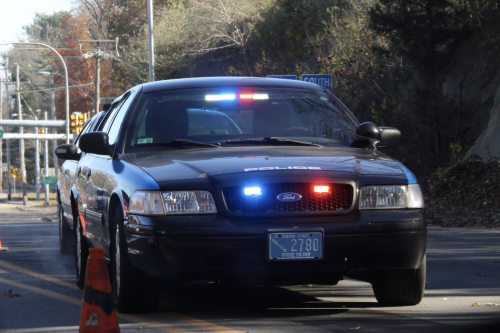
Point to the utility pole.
(151, 42)
(1, 127)
(98, 54)
(37, 165)
(53, 117)
(21, 141)
(97, 77)
(46, 163)
(7, 142)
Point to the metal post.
(46, 163)
(37, 165)
(97, 78)
(53, 117)
(9, 190)
(151, 42)
(1, 116)
(7, 142)
(21, 141)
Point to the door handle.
(85, 172)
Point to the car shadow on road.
(268, 299)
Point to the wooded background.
(427, 67)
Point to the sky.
(18, 13)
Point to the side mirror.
(96, 143)
(68, 152)
(390, 137)
(377, 137)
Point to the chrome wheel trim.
(117, 260)
(78, 245)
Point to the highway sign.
(323, 80)
(289, 77)
(48, 180)
(1, 134)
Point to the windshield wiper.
(180, 143)
(274, 141)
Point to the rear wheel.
(400, 287)
(81, 254)
(64, 233)
(134, 291)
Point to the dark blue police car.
(245, 180)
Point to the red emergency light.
(321, 189)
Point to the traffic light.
(74, 122)
(41, 130)
(77, 121)
(82, 119)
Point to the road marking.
(44, 292)
(38, 275)
(143, 321)
(133, 326)
(131, 317)
(200, 323)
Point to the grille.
(339, 198)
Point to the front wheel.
(81, 254)
(400, 287)
(64, 233)
(134, 291)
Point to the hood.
(343, 162)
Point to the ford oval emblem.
(289, 197)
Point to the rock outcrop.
(473, 82)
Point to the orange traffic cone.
(3, 248)
(98, 308)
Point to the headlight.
(146, 203)
(189, 202)
(391, 197)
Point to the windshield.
(226, 115)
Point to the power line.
(76, 85)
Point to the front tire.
(64, 233)
(400, 287)
(134, 291)
(81, 254)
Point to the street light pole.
(151, 42)
(66, 80)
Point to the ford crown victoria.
(244, 180)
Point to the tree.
(422, 32)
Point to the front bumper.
(213, 247)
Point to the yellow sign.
(15, 171)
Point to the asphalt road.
(463, 291)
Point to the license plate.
(295, 245)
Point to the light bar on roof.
(221, 97)
(248, 96)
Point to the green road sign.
(1, 134)
(48, 180)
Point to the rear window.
(216, 115)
